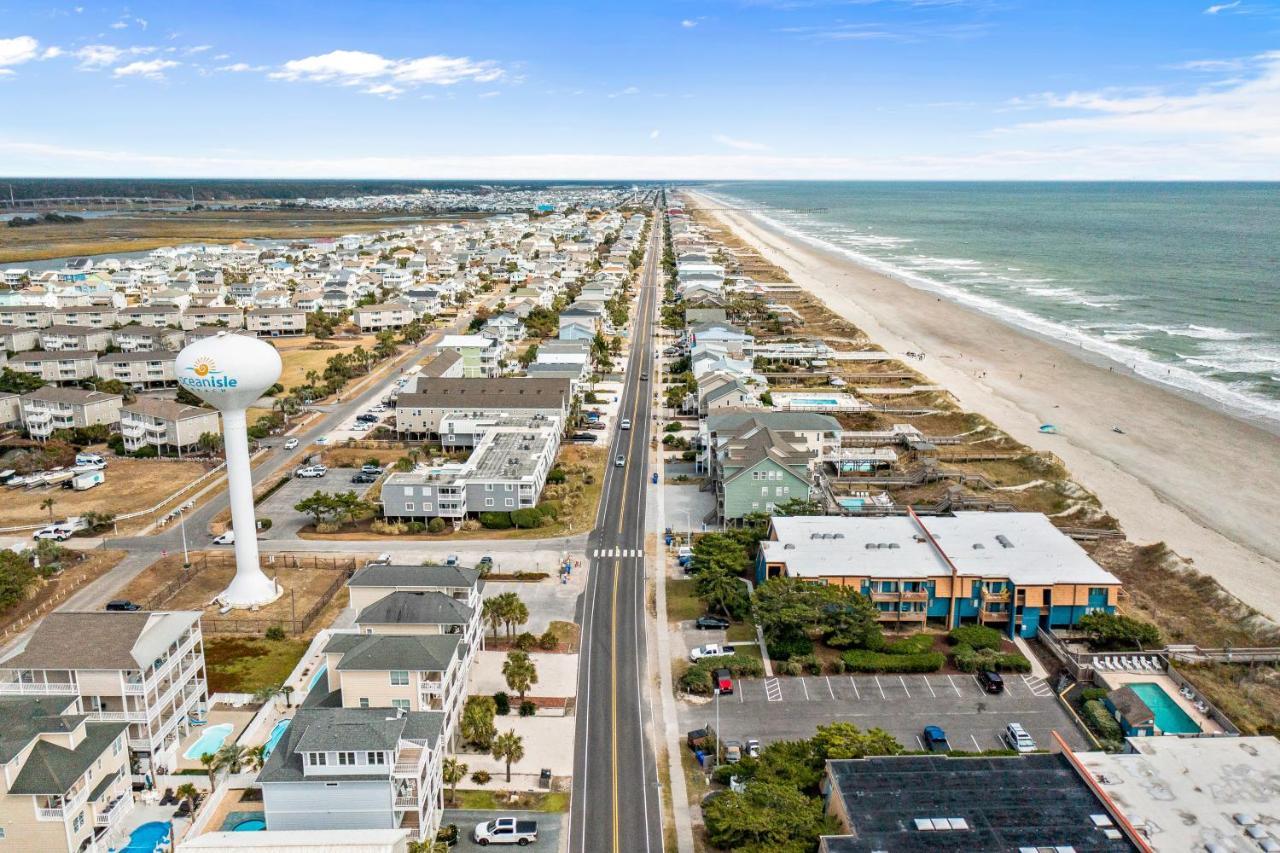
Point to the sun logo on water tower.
(203, 367)
(205, 375)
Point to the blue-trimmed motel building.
(1013, 571)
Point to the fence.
(1196, 654)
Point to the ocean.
(1179, 282)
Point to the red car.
(723, 682)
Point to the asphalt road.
(616, 803)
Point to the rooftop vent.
(978, 546)
(1003, 540)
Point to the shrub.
(556, 476)
(480, 777)
(789, 647)
(147, 452)
(969, 659)
(502, 703)
(807, 663)
(548, 641)
(689, 456)
(526, 519)
(977, 637)
(416, 526)
(861, 660)
(275, 632)
(916, 644)
(528, 709)
(1101, 723)
(436, 525)
(386, 528)
(697, 679)
(791, 667)
(838, 666)
(495, 520)
(1093, 694)
(525, 641)
(264, 524)
(550, 509)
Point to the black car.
(644, 377)
(711, 622)
(363, 478)
(123, 605)
(991, 681)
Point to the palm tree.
(231, 758)
(210, 762)
(186, 791)
(520, 671)
(508, 747)
(48, 503)
(517, 614)
(491, 612)
(287, 692)
(452, 772)
(255, 756)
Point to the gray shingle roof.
(415, 608)
(332, 729)
(104, 640)
(380, 652)
(24, 717)
(52, 769)
(415, 576)
(500, 393)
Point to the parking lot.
(287, 521)
(787, 708)
(549, 825)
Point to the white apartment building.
(167, 426)
(149, 369)
(46, 410)
(63, 338)
(375, 318)
(276, 322)
(143, 669)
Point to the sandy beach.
(1203, 482)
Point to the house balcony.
(61, 807)
(877, 595)
(408, 763)
(112, 813)
(1000, 597)
(39, 418)
(985, 615)
(901, 615)
(39, 688)
(117, 716)
(915, 595)
(131, 430)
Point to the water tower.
(230, 372)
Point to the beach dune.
(1202, 481)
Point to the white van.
(93, 461)
(227, 538)
(1018, 739)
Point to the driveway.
(687, 504)
(549, 828)
(287, 521)
(548, 601)
(773, 709)
(557, 674)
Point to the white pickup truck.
(711, 650)
(505, 830)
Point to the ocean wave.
(1141, 362)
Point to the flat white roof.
(1186, 793)
(465, 341)
(1033, 550)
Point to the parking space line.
(806, 689)
(772, 690)
(904, 686)
(920, 742)
(881, 686)
(930, 686)
(977, 746)
(855, 688)
(955, 687)
(830, 689)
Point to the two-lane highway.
(616, 803)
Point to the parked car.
(724, 682)
(227, 538)
(363, 479)
(709, 622)
(94, 461)
(60, 531)
(1018, 739)
(375, 470)
(324, 439)
(122, 605)
(311, 471)
(935, 739)
(485, 565)
(711, 650)
(684, 556)
(991, 681)
(505, 830)
(626, 424)
(644, 377)
(290, 443)
(582, 438)
(732, 751)
(451, 560)
(753, 747)
(620, 461)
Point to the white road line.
(806, 689)
(904, 686)
(977, 746)
(855, 688)
(955, 687)
(930, 686)
(881, 686)
(830, 689)
(772, 690)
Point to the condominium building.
(63, 367)
(91, 316)
(143, 669)
(18, 338)
(1013, 570)
(356, 768)
(481, 356)
(422, 414)
(152, 315)
(375, 318)
(64, 776)
(226, 316)
(276, 322)
(48, 409)
(136, 338)
(59, 338)
(26, 316)
(167, 426)
(142, 367)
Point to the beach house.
(481, 356)
(49, 409)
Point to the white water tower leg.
(250, 585)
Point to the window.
(488, 487)
(777, 491)
(346, 759)
(488, 501)
(373, 758)
(402, 704)
(408, 506)
(426, 491)
(426, 507)
(510, 502)
(364, 701)
(764, 491)
(317, 759)
(506, 487)
(78, 822)
(399, 677)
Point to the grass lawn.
(298, 359)
(741, 632)
(130, 485)
(551, 801)
(243, 665)
(683, 604)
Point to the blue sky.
(732, 89)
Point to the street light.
(182, 526)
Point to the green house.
(760, 469)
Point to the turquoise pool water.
(277, 732)
(851, 503)
(813, 401)
(315, 679)
(243, 822)
(211, 741)
(251, 825)
(146, 838)
(1169, 714)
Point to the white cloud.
(239, 67)
(490, 94)
(119, 25)
(142, 22)
(630, 90)
(222, 56)
(104, 55)
(150, 68)
(359, 68)
(385, 90)
(1221, 7)
(655, 133)
(51, 52)
(740, 144)
(688, 24)
(200, 48)
(18, 50)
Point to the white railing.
(48, 814)
(25, 688)
(170, 662)
(118, 809)
(117, 716)
(403, 802)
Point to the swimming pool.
(146, 838)
(315, 679)
(256, 824)
(277, 732)
(813, 401)
(211, 741)
(1170, 718)
(244, 821)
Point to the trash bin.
(544, 778)
(669, 539)
(655, 478)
